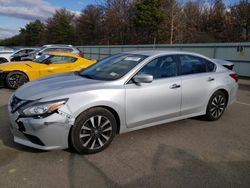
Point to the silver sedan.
(121, 93)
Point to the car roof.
(64, 54)
(161, 52)
(27, 49)
(57, 46)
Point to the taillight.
(81, 54)
(234, 76)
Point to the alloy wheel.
(16, 80)
(95, 132)
(217, 106)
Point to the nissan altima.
(121, 93)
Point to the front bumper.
(46, 134)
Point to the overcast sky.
(15, 14)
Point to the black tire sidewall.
(81, 119)
(10, 74)
(208, 113)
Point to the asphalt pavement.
(188, 153)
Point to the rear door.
(157, 101)
(198, 80)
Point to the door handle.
(210, 79)
(174, 86)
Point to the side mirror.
(143, 78)
(40, 53)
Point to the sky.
(15, 14)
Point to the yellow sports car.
(15, 74)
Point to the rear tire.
(93, 131)
(216, 106)
(16, 79)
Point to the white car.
(21, 53)
(5, 53)
(52, 48)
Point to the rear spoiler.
(228, 64)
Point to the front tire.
(216, 106)
(93, 131)
(16, 79)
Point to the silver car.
(121, 93)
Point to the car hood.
(10, 65)
(61, 84)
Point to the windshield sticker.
(113, 74)
(132, 58)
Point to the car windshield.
(42, 58)
(113, 67)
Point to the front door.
(157, 101)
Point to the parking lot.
(187, 153)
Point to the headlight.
(43, 108)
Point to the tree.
(147, 19)
(172, 26)
(32, 34)
(141, 22)
(194, 15)
(89, 25)
(241, 17)
(214, 21)
(60, 28)
(117, 21)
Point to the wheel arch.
(110, 109)
(7, 72)
(225, 93)
(224, 90)
(5, 59)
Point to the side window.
(210, 66)
(64, 50)
(161, 67)
(49, 50)
(192, 65)
(61, 59)
(19, 52)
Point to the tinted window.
(60, 59)
(58, 50)
(192, 65)
(22, 51)
(64, 50)
(49, 50)
(161, 67)
(42, 58)
(210, 65)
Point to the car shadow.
(170, 167)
